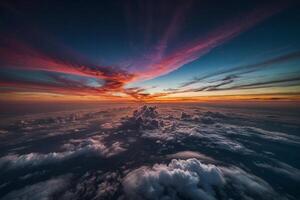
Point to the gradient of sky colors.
(149, 50)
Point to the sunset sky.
(127, 50)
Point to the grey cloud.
(189, 179)
(143, 118)
(94, 185)
(93, 145)
(281, 168)
(205, 127)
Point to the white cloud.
(187, 178)
(144, 118)
(165, 129)
(13, 161)
(93, 145)
(190, 154)
(191, 179)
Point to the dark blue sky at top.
(99, 29)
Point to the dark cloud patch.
(42, 190)
(94, 185)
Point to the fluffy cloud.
(108, 186)
(187, 117)
(153, 125)
(145, 118)
(94, 185)
(13, 161)
(215, 129)
(191, 154)
(215, 115)
(181, 128)
(191, 179)
(181, 178)
(93, 145)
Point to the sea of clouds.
(163, 152)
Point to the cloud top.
(191, 179)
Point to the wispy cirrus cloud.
(229, 79)
(201, 46)
(245, 69)
(288, 81)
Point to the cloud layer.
(85, 147)
(176, 151)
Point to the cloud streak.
(194, 50)
(230, 78)
(21, 55)
(245, 69)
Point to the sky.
(147, 50)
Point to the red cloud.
(22, 56)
